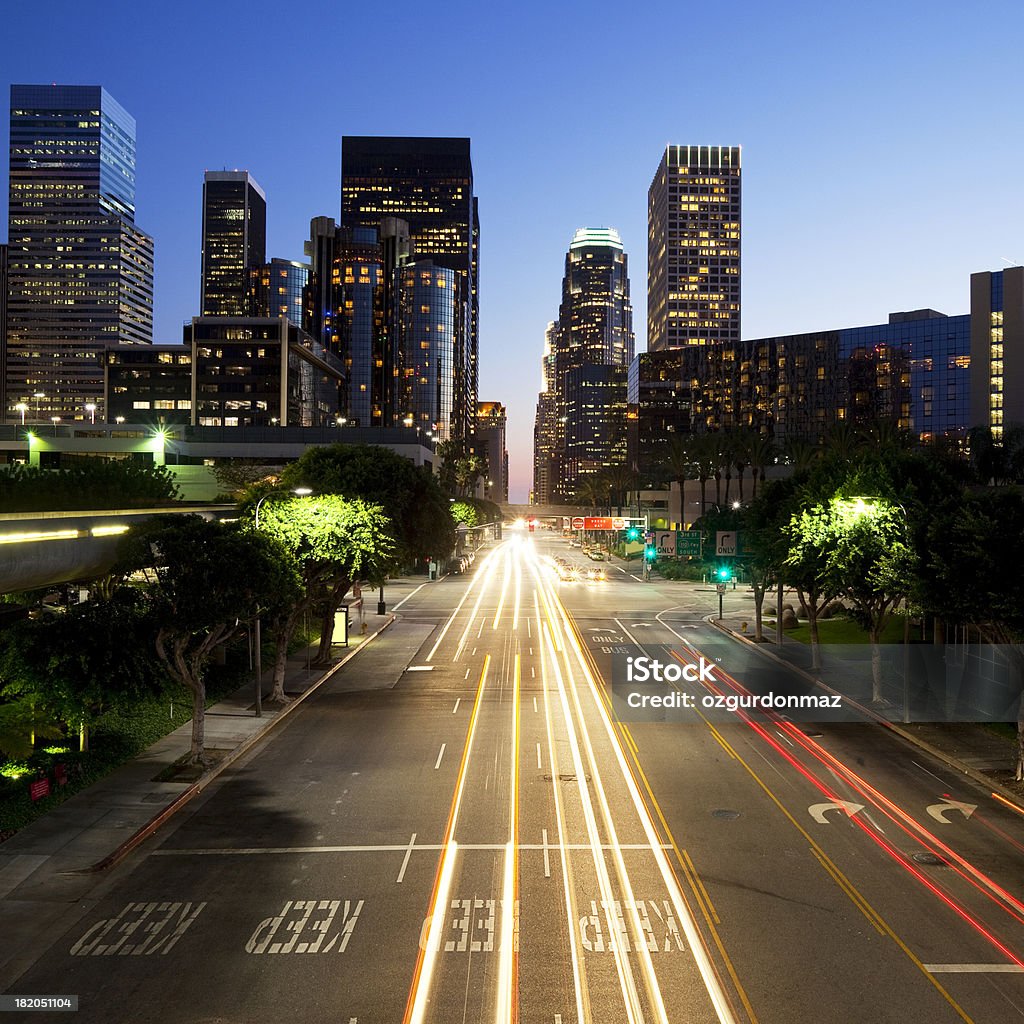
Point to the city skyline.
(858, 129)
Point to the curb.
(154, 823)
(997, 788)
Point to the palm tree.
(619, 480)
(677, 464)
(844, 441)
(703, 451)
(800, 453)
(761, 453)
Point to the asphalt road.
(484, 842)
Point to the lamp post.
(37, 396)
(90, 408)
(300, 492)
(22, 407)
(55, 420)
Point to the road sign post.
(720, 587)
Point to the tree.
(82, 663)
(763, 537)
(677, 464)
(975, 574)
(619, 481)
(89, 484)
(206, 579)
(334, 542)
(410, 496)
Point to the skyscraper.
(693, 248)
(545, 428)
(427, 182)
(594, 331)
(80, 273)
(277, 289)
(234, 240)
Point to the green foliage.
(409, 495)
(463, 512)
(76, 665)
(89, 484)
(330, 536)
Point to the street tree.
(975, 575)
(205, 580)
(410, 496)
(333, 542)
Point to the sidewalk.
(55, 870)
(970, 748)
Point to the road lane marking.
(456, 708)
(408, 854)
(395, 607)
(419, 988)
(466, 676)
(533, 672)
(539, 765)
(420, 668)
(974, 968)
(480, 576)
(506, 1009)
(535, 705)
(255, 851)
(440, 754)
(547, 860)
(267, 928)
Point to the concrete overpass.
(41, 549)
(541, 511)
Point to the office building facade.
(594, 332)
(234, 241)
(278, 288)
(997, 349)
(80, 272)
(428, 184)
(150, 384)
(489, 442)
(693, 248)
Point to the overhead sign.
(688, 543)
(665, 542)
(618, 523)
(577, 523)
(726, 542)
(597, 523)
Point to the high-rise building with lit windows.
(234, 241)
(277, 289)
(545, 427)
(693, 248)
(80, 273)
(583, 425)
(997, 349)
(428, 183)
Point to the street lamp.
(340, 420)
(22, 407)
(119, 419)
(300, 492)
(55, 420)
(90, 408)
(37, 396)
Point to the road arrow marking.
(938, 811)
(817, 811)
(640, 625)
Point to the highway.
(485, 842)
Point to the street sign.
(720, 587)
(597, 522)
(618, 523)
(665, 542)
(577, 522)
(726, 542)
(689, 543)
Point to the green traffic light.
(633, 533)
(650, 554)
(724, 572)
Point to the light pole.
(37, 396)
(90, 408)
(55, 420)
(22, 407)
(300, 492)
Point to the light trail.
(709, 976)
(504, 587)
(582, 993)
(489, 576)
(451, 618)
(419, 990)
(507, 1011)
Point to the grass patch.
(846, 631)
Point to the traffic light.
(633, 533)
(650, 553)
(723, 573)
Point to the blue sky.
(882, 142)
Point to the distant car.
(596, 555)
(455, 566)
(595, 574)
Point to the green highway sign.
(688, 543)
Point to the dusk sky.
(882, 142)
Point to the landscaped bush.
(92, 484)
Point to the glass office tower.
(277, 289)
(693, 248)
(80, 273)
(427, 182)
(234, 240)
